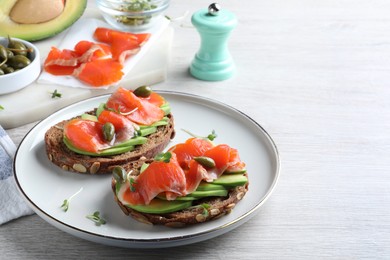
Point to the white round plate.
(45, 186)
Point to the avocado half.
(33, 32)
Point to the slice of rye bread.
(218, 206)
(60, 155)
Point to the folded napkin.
(12, 205)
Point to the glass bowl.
(132, 15)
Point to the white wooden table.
(315, 75)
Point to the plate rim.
(166, 240)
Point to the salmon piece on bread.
(81, 144)
(188, 184)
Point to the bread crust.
(218, 207)
(59, 154)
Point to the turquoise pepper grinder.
(213, 61)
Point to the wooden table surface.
(315, 75)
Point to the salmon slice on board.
(61, 62)
(99, 72)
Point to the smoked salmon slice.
(99, 72)
(193, 147)
(88, 135)
(90, 51)
(136, 109)
(85, 135)
(124, 44)
(85, 62)
(157, 178)
(61, 62)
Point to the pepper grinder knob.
(213, 61)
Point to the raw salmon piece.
(194, 175)
(193, 147)
(123, 44)
(85, 135)
(90, 51)
(124, 128)
(159, 177)
(134, 108)
(61, 62)
(235, 163)
(102, 34)
(155, 99)
(99, 72)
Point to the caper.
(3, 55)
(108, 131)
(17, 47)
(8, 70)
(10, 54)
(3, 52)
(1, 72)
(3, 66)
(143, 91)
(205, 161)
(119, 174)
(19, 62)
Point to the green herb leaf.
(95, 217)
(65, 205)
(55, 94)
(132, 182)
(1, 107)
(205, 207)
(163, 157)
(210, 137)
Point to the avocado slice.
(158, 206)
(32, 32)
(231, 180)
(206, 186)
(209, 193)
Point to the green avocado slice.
(32, 32)
(229, 180)
(158, 206)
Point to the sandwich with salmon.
(129, 127)
(193, 182)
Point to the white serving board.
(34, 102)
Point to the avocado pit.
(36, 11)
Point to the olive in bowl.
(19, 64)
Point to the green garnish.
(135, 6)
(65, 204)
(210, 137)
(163, 157)
(1, 107)
(55, 94)
(205, 207)
(95, 217)
(132, 182)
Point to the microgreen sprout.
(95, 217)
(65, 204)
(163, 157)
(210, 137)
(205, 207)
(132, 182)
(56, 94)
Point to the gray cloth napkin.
(12, 205)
